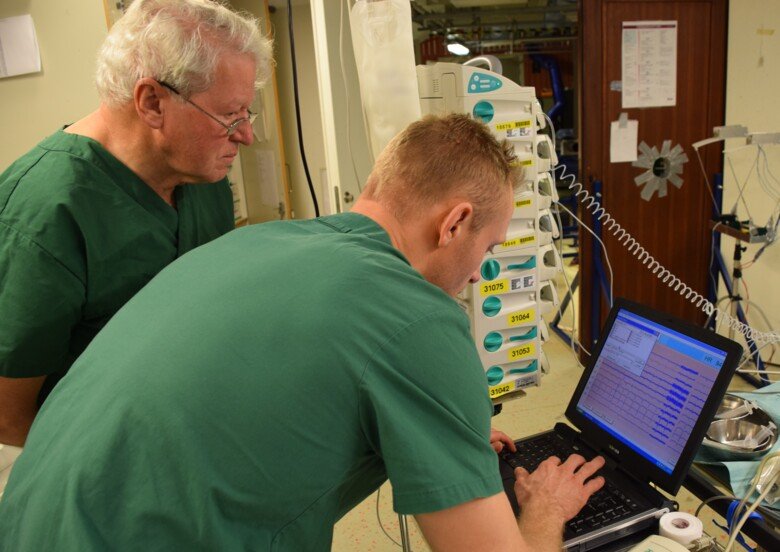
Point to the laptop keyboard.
(608, 505)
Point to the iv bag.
(384, 55)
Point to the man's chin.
(218, 175)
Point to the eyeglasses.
(231, 128)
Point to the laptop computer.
(644, 403)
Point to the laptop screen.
(648, 387)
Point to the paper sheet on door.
(623, 140)
(649, 63)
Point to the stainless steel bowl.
(733, 406)
(725, 438)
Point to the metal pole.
(405, 546)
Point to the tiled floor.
(8, 455)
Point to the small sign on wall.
(19, 52)
(649, 61)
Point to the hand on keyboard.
(562, 488)
(500, 441)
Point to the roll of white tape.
(681, 527)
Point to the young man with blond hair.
(263, 385)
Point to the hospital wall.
(302, 204)
(36, 105)
(70, 32)
(753, 81)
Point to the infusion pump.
(517, 285)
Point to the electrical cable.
(762, 372)
(603, 247)
(748, 356)
(765, 182)
(768, 188)
(710, 500)
(657, 269)
(573, 340)
(713, 278)
(738, 527)
(768, 243)
(710, 317)
(740, 187)
(753, 486)
(379, 520)
(769, 170)
(623, 237)
(707, 180)
(298, 109)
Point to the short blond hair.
(438, 157)
(178, 42)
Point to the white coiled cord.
(592, 204)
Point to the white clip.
(763, 138)
(730, 131)
(623, 120)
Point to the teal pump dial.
(491, 306)
(490, 269)
(493, 341)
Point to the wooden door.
(673, 229)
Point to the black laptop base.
(643, 403)
(619, 509)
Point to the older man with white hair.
(93, 212)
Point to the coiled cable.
(590, 203)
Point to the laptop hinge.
(574, 435)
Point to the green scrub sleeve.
(40, 302)
(427, 413)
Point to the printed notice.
(18, 47)
(649, 52)
(623, 140)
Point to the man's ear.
(453, 222)
(147, 96)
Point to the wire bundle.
(593, 205)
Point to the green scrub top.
(253, 393)
(80, 234)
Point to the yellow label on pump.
(520, 318)
(509, 125)
(495, 287)
(501, 389)
(523, 203)
(522, 163)
(516, 242)
(524, 351)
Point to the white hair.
(178, 42)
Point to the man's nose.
(244, 134)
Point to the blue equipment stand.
(596, 290)
(717, 269)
